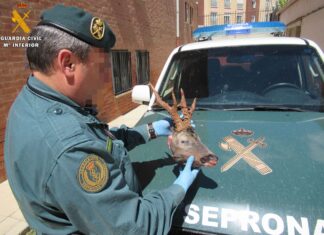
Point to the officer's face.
(94, 74)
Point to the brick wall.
(138, 25)
(250, 11)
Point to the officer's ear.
(66, 62)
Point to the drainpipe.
(177, 24)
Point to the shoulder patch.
(93, 174)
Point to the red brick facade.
(138, 24)
(252, 12)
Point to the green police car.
(260, 104)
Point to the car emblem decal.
(245, 153)
(242, 132)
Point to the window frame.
(120, 72)
(213, 3)
(213, 18)
(239, 16)
(229, 18)
(227, 4)
(143, 66)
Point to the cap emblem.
(97, 28)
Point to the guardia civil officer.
(68, 172)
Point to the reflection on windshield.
(291, 76)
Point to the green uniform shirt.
(69, 176)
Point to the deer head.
(184, 142)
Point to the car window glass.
(248, 76)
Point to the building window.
(227, 3)
(213, 18)
(142, 67)
(121, 69)
(213, 3)
(187, 13)
(294, 31)
(191, 15)
(252, 18)
(253, 3)
(227, 19)
(240, 4)
(239, 18)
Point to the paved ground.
(12, 221)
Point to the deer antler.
(180, 124)
(187, 113)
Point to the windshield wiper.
(277, 108)
(267, 108)
(158, 108)
(250, 108)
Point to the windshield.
(248, 77)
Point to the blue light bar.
(233, 29)
(209, 32)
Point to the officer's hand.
(187, 176)
(162, 127)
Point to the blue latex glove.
(187, 176)
(162, 127)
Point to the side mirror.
(141, 94)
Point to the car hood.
(276, 187)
